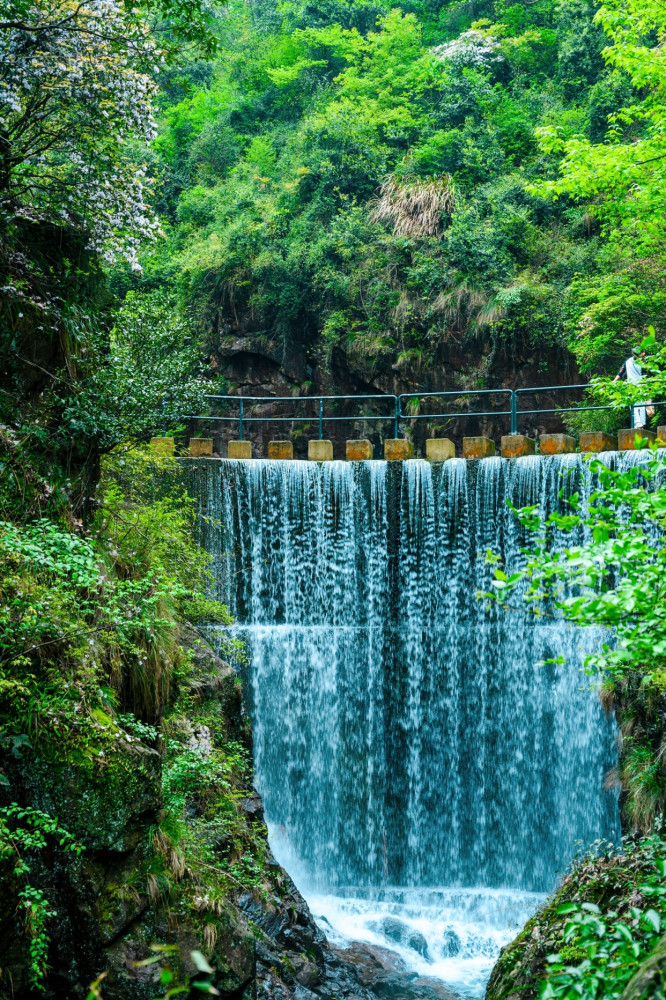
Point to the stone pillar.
(556, 444)
(440, 449)
(163, 445)
(201, 447)
(596, 441)
(478, 447)
(626, 439)
(517, 445)
(282, 450)
(359, 450)
(320, 451)
(239, 449)
(398, 449)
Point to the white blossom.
(473, 49)
(75, 95)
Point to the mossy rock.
(232, 956)
(105, 805)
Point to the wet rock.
(253, 807)
(418, 943)
(386, 976)
(450, 944)
(372, 963)
(390, 927)
(107, 806)
(403, 934)
(305, 972)
(421, 988)
(232, 956)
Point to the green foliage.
(625, 174)
(604, 952)
(100, 610)
(24, 832)
(614, 578)
(617, 168)
(276, 171)
(190, 21)
(90, 662)
(171, 982)
(205, 778)
(64, 604)
(152, 355)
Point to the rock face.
(258, 365)
(117, 901)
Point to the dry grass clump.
(415, 208)
(461, 303)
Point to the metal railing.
(397, 408)
(242, 418)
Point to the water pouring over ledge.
(425, 777)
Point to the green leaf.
(567, 908)
(200, 961)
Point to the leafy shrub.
(98, 610)
(606, 951)
(24, 834)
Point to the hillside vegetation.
(366, 193)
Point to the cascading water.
(425, 775)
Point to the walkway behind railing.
(404, 407)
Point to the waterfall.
(415, 753)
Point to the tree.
(152, 359)
(75, 99)
(624, 175)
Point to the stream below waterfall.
(426, 774)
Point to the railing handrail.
(553, 388)
(396, 413)
(301, 399)
(455, 392)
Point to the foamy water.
(446, 933)
(450, 934)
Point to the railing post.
(321, 419)
(396, 418)
(240, 420)
(631, 416)
(514, 412)
(163, 417)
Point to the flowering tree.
(474, 48)
(75, 100)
